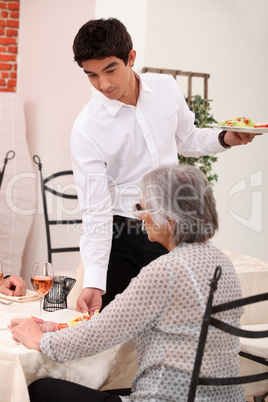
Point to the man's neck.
(132, 99)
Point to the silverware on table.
(6, 302)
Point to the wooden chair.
(208, 320)
(188, 74)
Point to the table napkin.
(30, 296)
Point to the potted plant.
(203, 117)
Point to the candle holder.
(56, 298)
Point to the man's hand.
(27, 332)
(13, 286)
(233, 138)
(90, 301)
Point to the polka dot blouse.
(162, 310)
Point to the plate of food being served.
(241, 124)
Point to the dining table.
(20, 366)
(252, 273)
(115, 367)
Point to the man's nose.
(104, 83)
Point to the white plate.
(63, 315)
(250, 130)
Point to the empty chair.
(57, 192)
(210, 320)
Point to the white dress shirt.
(113, 145)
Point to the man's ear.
(131, 57)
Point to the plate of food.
(242, 124)
(60, 320)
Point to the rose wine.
(42, 284)
(1, 276)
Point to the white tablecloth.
(20, 366)
(253, 277)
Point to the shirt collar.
(143, 85)
(113, 106)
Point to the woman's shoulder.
(191, 256)
(200, 258)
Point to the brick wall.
(9, 32)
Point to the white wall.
(133, 14)
(54, 91)
(226, 39)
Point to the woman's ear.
(171, 224)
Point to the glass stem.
(41, 299)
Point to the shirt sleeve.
(92, 183)
(193, 141)
(130, 313)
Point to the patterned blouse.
(162, 310)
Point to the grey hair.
(181, 193)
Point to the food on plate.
(74, 321)
(238, 122)
(50, 326)
(261, 125)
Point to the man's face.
(111, 76)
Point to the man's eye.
(111, 71)
(91, 75)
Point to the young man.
(134, 124)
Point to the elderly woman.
(162, 308)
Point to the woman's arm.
(130, 313)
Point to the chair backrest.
(45, 189)
(9, 155)
(209, 320)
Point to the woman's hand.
(27, 332)
(46, 326)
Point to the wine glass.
(42, 279)
(1, 271)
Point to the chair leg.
(260, 398)
(264, 396)
(257, 398)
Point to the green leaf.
(202, 117)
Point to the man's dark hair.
(98, 39)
